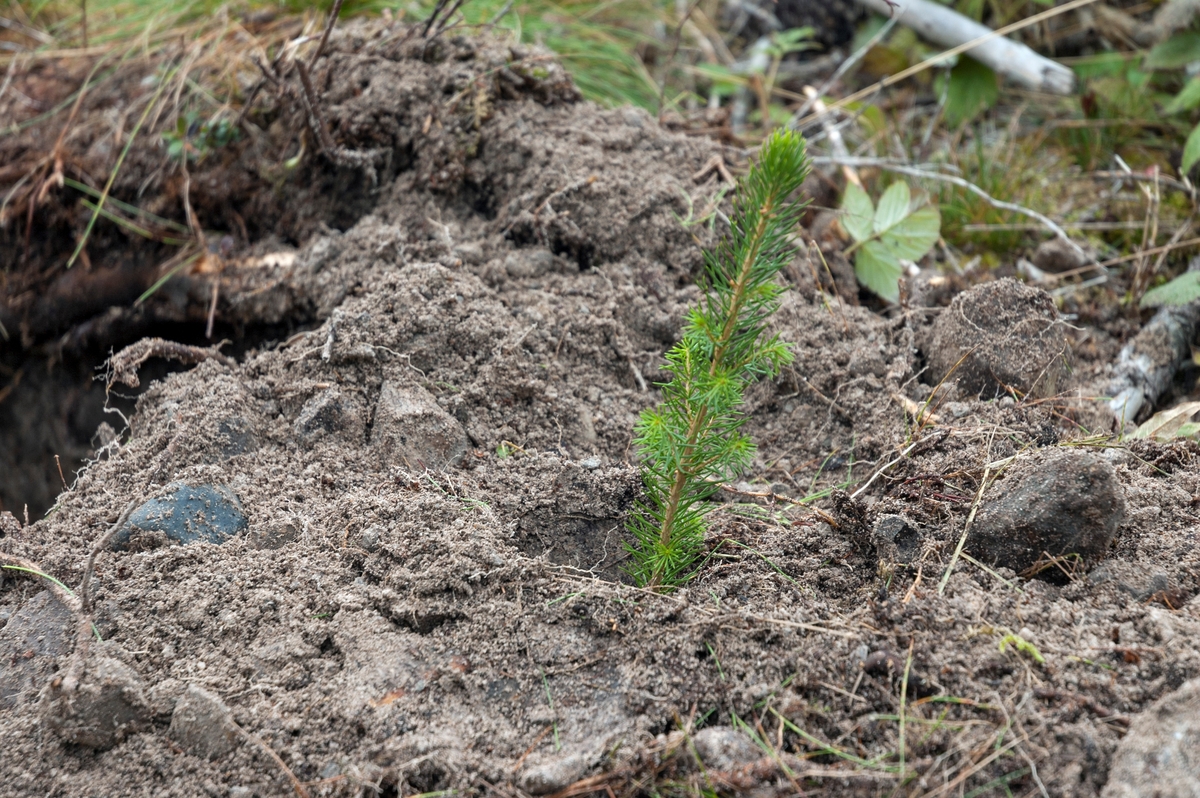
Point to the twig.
(842, 69)
(940, 58)
(124, 364)
(947, 27)
(962, 541)
(874, 476)
(362, 159)
(333, 15)
(499, 15)
(266, 749)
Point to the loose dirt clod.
(107, 704)
(1158, 755)
(1059, 513)
(1000, 336)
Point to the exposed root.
(123, 366)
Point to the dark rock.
(412, 430)
(725, 748)
(36, 634)
(202, 725)
(236, 436)
(187, 514)
(330, 413)
(1067, 505)
(1000, 335)
(897, 539)
(108, 704)
(1158, 755)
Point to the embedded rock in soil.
(1006, 335)
(34, 636)
(106, 706)
(412, 430)
(725, 748)
(329, 413)
(896, 538)
(1056, 256)
(188, 514)
(1068, 505)
(202, 724)
(1158, 756)
(554, 776)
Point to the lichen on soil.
(433, 461)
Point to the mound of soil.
(428, 593)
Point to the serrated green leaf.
(915, 234)
(1177, 51)
(1191, 151)
(1183, 289)
(879, 270)
(1187, 98)
(858, 212)
(972, 89)
(893, 206)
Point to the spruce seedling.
(692, 440)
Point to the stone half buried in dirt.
(106, 705)
(998, 336)
(411, 429)
(1160, 756)
(185, 514)
(34, 637)
(1058, 514)
(202, 724)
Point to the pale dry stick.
(842, 69)
(942, 56)
(874, 476)
(962, 541)
(1046, 221)
(1020, 749)
(836, 142)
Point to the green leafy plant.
(198, 138)
(1183, 290)
(692, 440)
(896, 230)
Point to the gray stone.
(36, 634)
(1056, 255)
(186, 514)
(1067, 505)
(724, 748)
(107, 705)
(412, 430)
(897, 539)
(997, 336)
(1160, 756)
(556, 775)
(202, 725)
(274, 536)
(329, 413)
(526, 263)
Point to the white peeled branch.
(948, 28)
(1148, 363)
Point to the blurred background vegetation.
(738, 68)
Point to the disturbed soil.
(426, 429)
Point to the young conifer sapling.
(692, 440)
